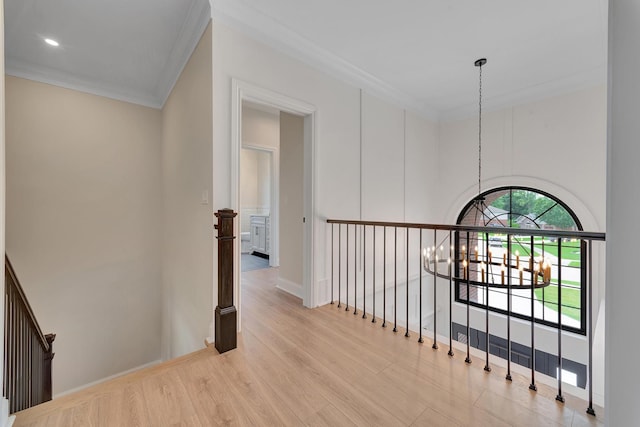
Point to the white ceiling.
(132, 50)
(417, 53)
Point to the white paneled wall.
(382, 161)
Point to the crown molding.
(55, 77)
(192, 29)
(269, 31)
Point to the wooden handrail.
(28, 352)
(586, 235)
(32, 318)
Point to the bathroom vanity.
(259, 225)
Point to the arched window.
(527, 208)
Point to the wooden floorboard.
(321, 367)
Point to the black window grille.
(526, 208)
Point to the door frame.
(244, 91)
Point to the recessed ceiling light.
(51, 42)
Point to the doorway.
(258, 214)
(256, 209)
(244, 95)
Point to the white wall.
(399, 161)
(83, 225)
(255, 185)
(337, 131)
(555, 145)
(623, 175)
(421, 170)
(248, 185)
(260, 128)
(382, 161)
(264, 180)
(188, 232)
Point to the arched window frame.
(459, 241)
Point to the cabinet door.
(260, 234)
(255, 237)
(262, 239)
(267, 234)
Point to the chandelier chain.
(480, 132)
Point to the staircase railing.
(517, 294)
(28, 352)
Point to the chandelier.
(482, 267)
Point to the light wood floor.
(321, 367)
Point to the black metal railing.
(28, 353)
(402, 259)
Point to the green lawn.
(570, 250)
(522, 247)
(570, 298)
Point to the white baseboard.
(6, 420)
(289, 287)
(110, 377)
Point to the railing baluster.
(450, 263)
(6, 386)
(435, 299)
(14, 362)
(355, 269)
(384, 277)
(590, 409)
(406, 333)
(364, 271)
(19, 362)
(559, 397)
(468, 273)
(420, 340)
(533, 386)
(22, 366)
(487, 257)
(34, 371)
(339, 264)
(16, 356)
(33, 380)
(508, 257)
(13, 372)
(31, 369)
(346, 308)
(25, 362)
(332, 258)
(395, 280)
(14, 353)
(373, 317)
